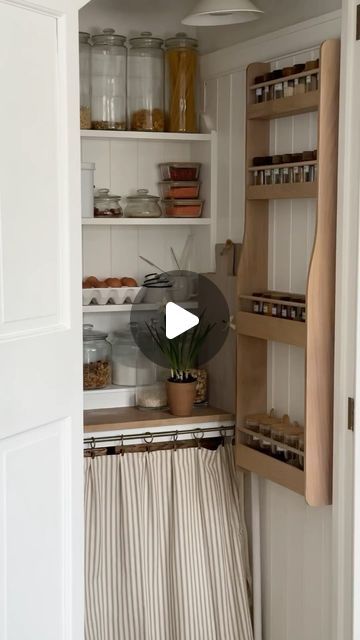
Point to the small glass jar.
(299, 86)
(268, 176)
(278, 90)
(143, 205)
(124, 359)
(285, 308)
(108, 81)
(276, 310)
(265, 425)
(291, 439)
(150, 385)
(278, 435)
(311, 82)
(298, 174)
(96, 359)
(106, 205)
(258, 177)
(286, 175)
(269, 88)
(301, 449)
(259, 95)
(146, 83)
(182, 86)
(85, 80)
(201, 376)
(252, 424)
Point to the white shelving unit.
(128, 308)
(126, 161)
(143, 222)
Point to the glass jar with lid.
(96, 358)
(124, 358)
(143, 205)
(107, 205)
(181, 84)
(108, 81)
(146, 83)
(85, 80)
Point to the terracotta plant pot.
(181, 397)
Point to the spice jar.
(291, 439)
(267, 176)
(258, 177)
(302, 450)
(265, 425)
(288, 84)
(108, 81)
(96, 358)
(298, 172)
(106, 205)
(85, 80)
(275, 173)
(143, 205)
(278, 434)
(269, 88)
(309, 169)
(259, 91)
(252, 423)
(181, 85)
(146, 83)
(257, 304)
(311, 81)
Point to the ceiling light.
(207, 13)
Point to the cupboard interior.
(296, 541)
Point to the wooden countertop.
(133, 418)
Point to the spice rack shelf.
(93, 134)
(281, 191)
(316, 335)
(269, 328)
(270, 468)
(285, 107)
(295, 76)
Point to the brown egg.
(92, 281)
(114, 282)
(86, 285)
(102, 284)
(129, 282)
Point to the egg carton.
(133, 295)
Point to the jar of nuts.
(201, 376)
(96, 359)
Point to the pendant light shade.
(207, 13)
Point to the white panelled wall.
(295, 539)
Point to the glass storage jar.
(124, 358)
(143, 205)
(146, 84)
(96, 358)
(150, 385)
(108, 81)
(181, 84)
(85, 80)
(106, 205)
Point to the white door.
(41, 519)
(346, 531)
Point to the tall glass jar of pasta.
(181, 84)
(108, 81)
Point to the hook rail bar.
(196, 433)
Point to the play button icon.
(178, 320)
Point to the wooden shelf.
(129, 308)
(303, 74)
(269, 328)
(283, 165)
(132, 418)
(90, 134)
(285, 107)
(145, 222)
(317, 334)
(270, 468)
(280, 191)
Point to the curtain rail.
(148, 438)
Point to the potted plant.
(181, 354)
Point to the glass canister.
(124, 359)
(181, 84)
(143, 205)
(85, 80)
(150, 385)
(107, 205)
(96, 358)
(146, 83)
(108, 81)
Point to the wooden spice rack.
(316, 335)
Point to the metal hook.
(148, 442)
(198, 436)
(175, 438)
(223, 435)
(122, 450)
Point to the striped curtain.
(166, 547)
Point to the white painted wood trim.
(144, 222)
(298, 37)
